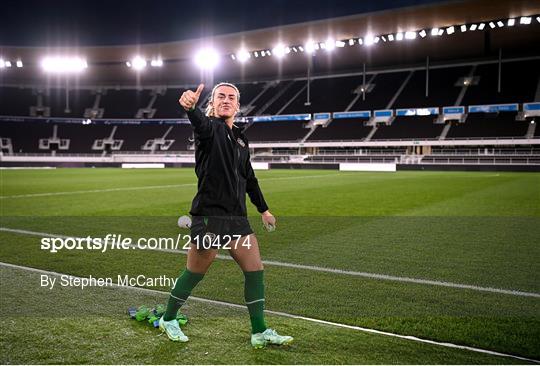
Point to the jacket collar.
(221, 120)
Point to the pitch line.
(375, 276)
(293, 316)
(119, 189)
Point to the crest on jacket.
(241, 142)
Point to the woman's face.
(225, 102)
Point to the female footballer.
(219, 215)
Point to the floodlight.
(525, 20)
(63, 64)
(279, 51)
(206, 59)
(243, 55)
(330, 44)
(410, 35)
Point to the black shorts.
(218, 231)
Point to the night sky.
(112, 22)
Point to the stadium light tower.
(63, 65)
(206, 59)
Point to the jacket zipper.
(236, 168)
(236, 171)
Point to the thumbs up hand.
(189, 98)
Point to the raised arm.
(200, 122)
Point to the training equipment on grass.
(269, 227)
(153, 315)
(184, 222)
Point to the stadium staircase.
(149, 111)
(371, 133)
(465, 87)
(274, 98)
(358, 95)
(251, 105)
(531, 130)
(311, 130)
(445, 131)
(293, 98)
(398, 92)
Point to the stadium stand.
(341, 129)
(248, 91)
(276, 131)
(25, 136)
(166, 105)
(480, 125)
(410, 127)
(134, 136)
(261, 103)
(182, 134)
(291, 89)
(383, 87)
(519, 82)
(79, 100)
(475, 83)
(442, 90)
(124, 103)
(16, 101)
(82, 137)
(326, 95)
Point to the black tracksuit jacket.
(223, 168)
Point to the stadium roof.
(107, 63)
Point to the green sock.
(181, 291)
(254, 296)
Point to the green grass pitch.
(472, 236)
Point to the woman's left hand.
(269, 221)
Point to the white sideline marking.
(96, 191)
(340, 325)
(26, 167)
(376, 276)
(46, 194)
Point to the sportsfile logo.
(121, 242)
